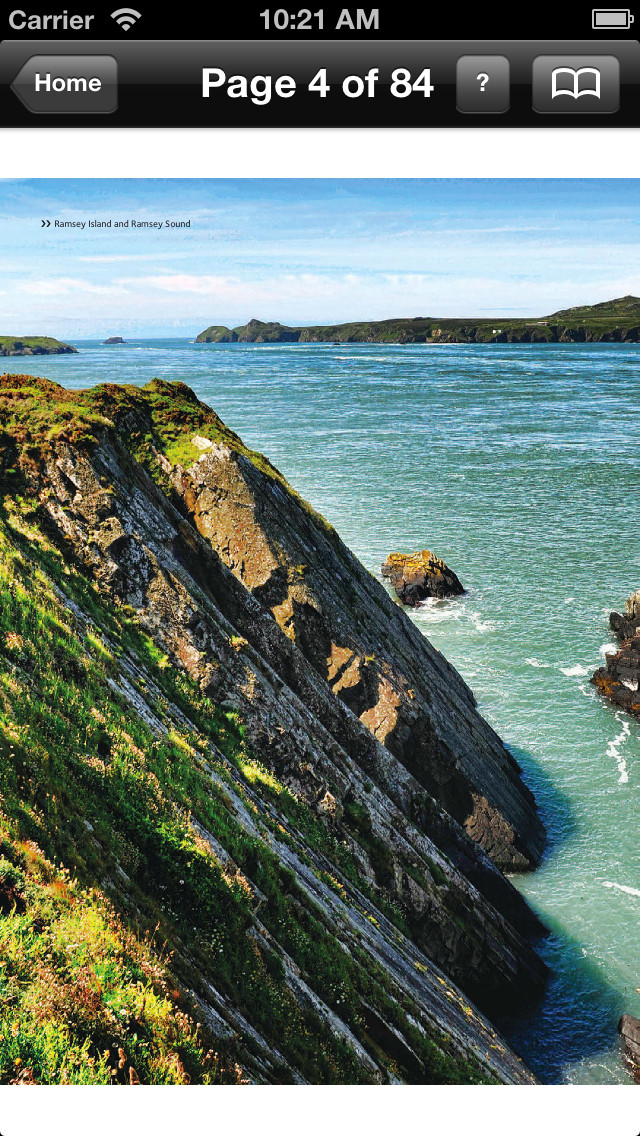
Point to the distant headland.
(614, 321)
(34, 345)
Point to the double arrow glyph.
(46, 224)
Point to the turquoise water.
(520, 465)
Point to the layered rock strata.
(629, 1030)
(256, 600)
(359, 642)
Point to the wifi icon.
(126, 17)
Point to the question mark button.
(482, 84)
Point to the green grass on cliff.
(112, 904)
(30, 341)
(160, 417)
(36, 344)
(623, 312)
(87, 785)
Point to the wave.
(478, 622)
(434, 610)
(575, 672)
(621, 887)
(588, 691)
(537, 663)
(613, 749)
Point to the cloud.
(285, 287)
(436, 230)
(115, 259)
(62, 285)
(189, 300)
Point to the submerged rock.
(619, 679)
(417, 576)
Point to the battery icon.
(611, 18)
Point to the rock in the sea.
(629, 1028)
(619, 679)
(417, 575)
(113, 339)
(627, 625)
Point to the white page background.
(321, 1111)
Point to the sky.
(307, 251)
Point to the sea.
(520, 466)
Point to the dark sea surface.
(520, 466)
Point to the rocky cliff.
(220, 726)
(619, 679)
(615, 321)
(360, 644)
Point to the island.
(113, 339)
(34, 345)
(614, 321)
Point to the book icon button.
(576, 84)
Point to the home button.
(68, 84)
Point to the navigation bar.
(394, 83)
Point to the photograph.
(319, 632)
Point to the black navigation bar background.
(159, 83)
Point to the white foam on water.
(588, 691)
(609, 649)
(621, 887)
(575, 672)
(569, 599)
(537, 663)
(613, 749)
(434, 610)
(478, 622)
